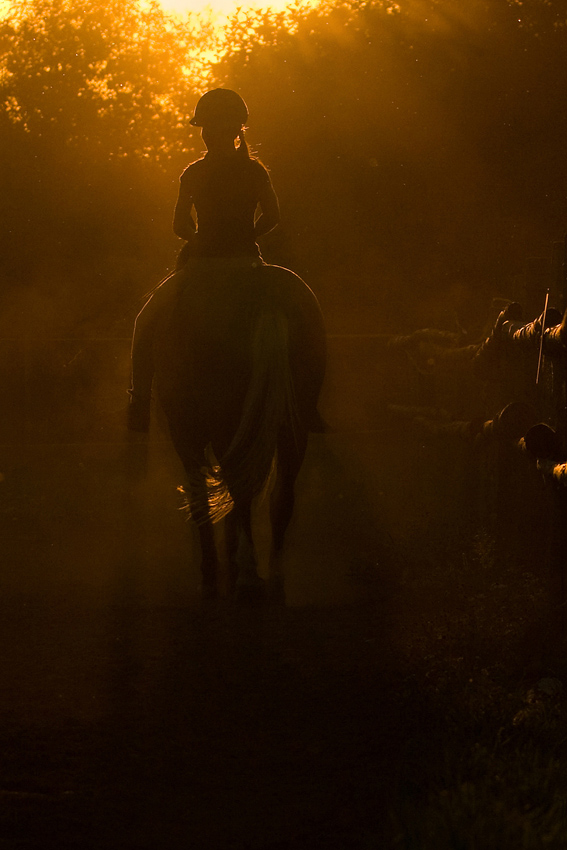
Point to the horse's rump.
(242, 357)
(206, 351)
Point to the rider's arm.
(270, 210)
(183, 221)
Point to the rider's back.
(225, 191)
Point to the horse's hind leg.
(242, 562)
(209, 561)
(198, 504)
(291, 451)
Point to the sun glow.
(219, 9)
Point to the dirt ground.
(220, 727)
(135, 716)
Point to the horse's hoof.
(251, 594)
(209, 591)
(276, 590)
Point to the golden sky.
(221, 8)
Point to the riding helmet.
(220, 106)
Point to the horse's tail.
(269, 407)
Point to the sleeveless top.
(225, 191)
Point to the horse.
(240, 362)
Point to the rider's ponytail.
(243, 148)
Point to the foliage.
(122, 74)
(95, 99)
(489, 773)
(411, 140)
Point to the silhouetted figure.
(225, 189)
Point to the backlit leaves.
(120, 72)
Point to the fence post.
(538, 279)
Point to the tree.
(95, 99)
(122, 73)
(414, 141)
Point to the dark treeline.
(95, 101)
(417, 148)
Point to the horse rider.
(215, 214)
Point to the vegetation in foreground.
(486, 697)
